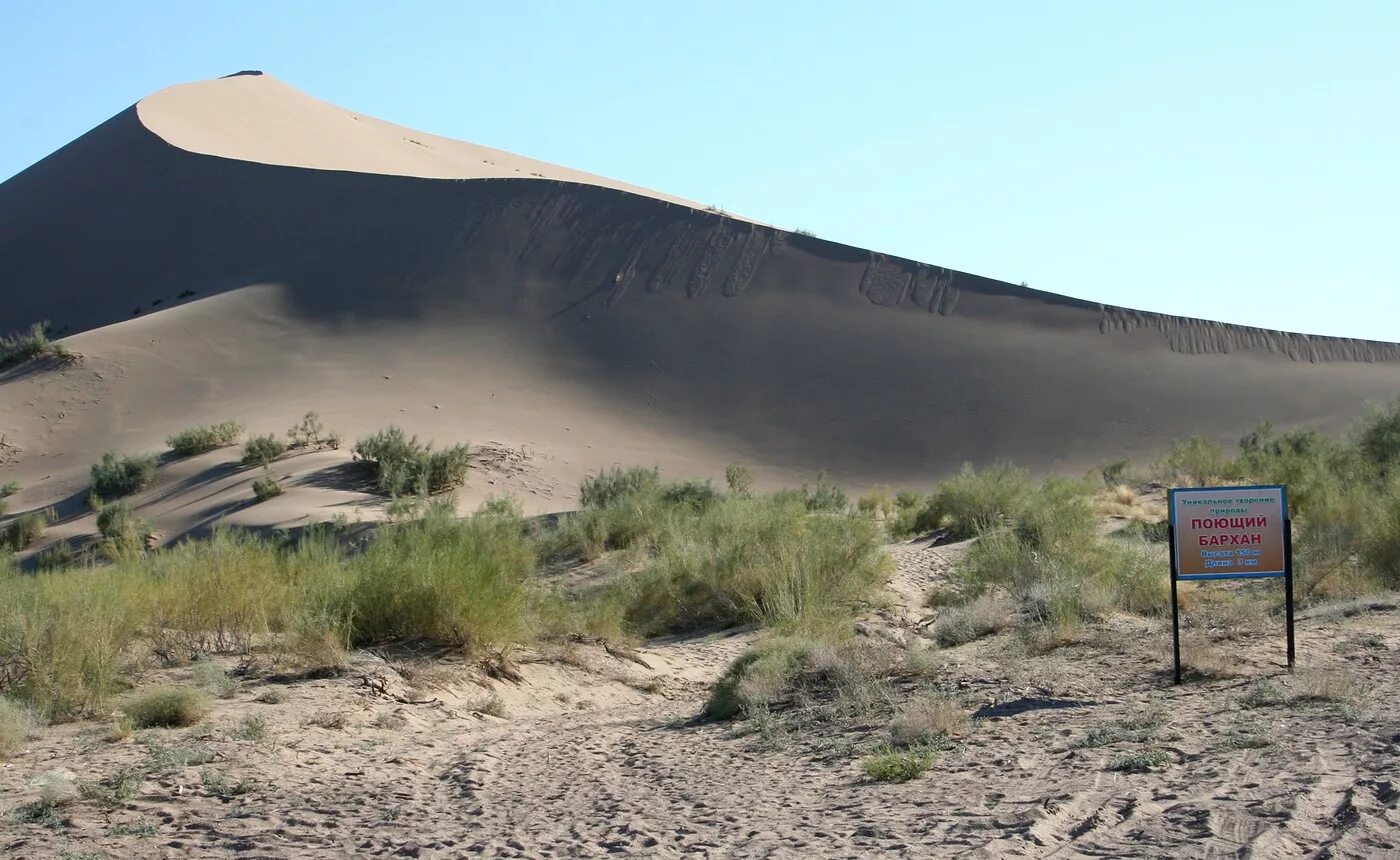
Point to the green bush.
(616, 485)
(114, 478)
(763, 560)
(262, 450)
(462, 583)
(167, 707)
(266, 488)
(16, 723)
(199, 440)
(1378, 438)
(19, 347)
(696, 496)
(1197, 462)
(63, 636)
(1052, 561)
(311, 433)
(404, 466)
(57, 555)
(739, 479)
(975, 501)
(121, 529)
(888, 764)
(24, 530)
(825, 496)
(7, 489)
(1380, 542)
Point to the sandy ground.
(596, 755)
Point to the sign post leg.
(1288, 585)
(1176, 615)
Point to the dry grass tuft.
(16, 724)
(167, 707)
(928, 720)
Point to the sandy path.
(585, 767)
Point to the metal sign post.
(1229, 533)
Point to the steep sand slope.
(204, 278)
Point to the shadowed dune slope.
(236, 249)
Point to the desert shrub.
(639, 520)
(758, 560)
(738, 479)
(1378, 438)
(825, 496)
(826, 664)
(928, 720)
(57, 555)
(877, 503)
(958, 625)
(266, 488)
(462, 583)
(222, 594)
(892, 765)
(974, 501)
(905, 519)
(696, 496)
(62, 638)
(1152, 532)
(617, 484)
(24, 530)
(212, 678)
(1380, 541)
(311, 433)
(1196, 462)
(1052, 561)
(1116, 472)
(404, 466)
(167, 707)
(114, 478)
(121, 529)
(7, 489)
(199, 440)
(16, 723)
(1139, 761)
(19, 347)
(262, 450)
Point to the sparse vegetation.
(56, 556)
(1140, 761)
(765, 560)
(974, 501)
(252, 727)
(266, 488)
(212, 678)
(7, 489)
(1137, 729)
(898, 765)
(617, 485)
(928, 721)
(262, 450)
(738, 479)
(200, 440)
(311, 433)
(404, 466)
(19, 347)
(113, 478)
(16, 722)
(122, 531)
(983, 616)
(24, 530)
(167, 707)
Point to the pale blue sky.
(1236, 161)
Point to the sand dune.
(236, 249)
